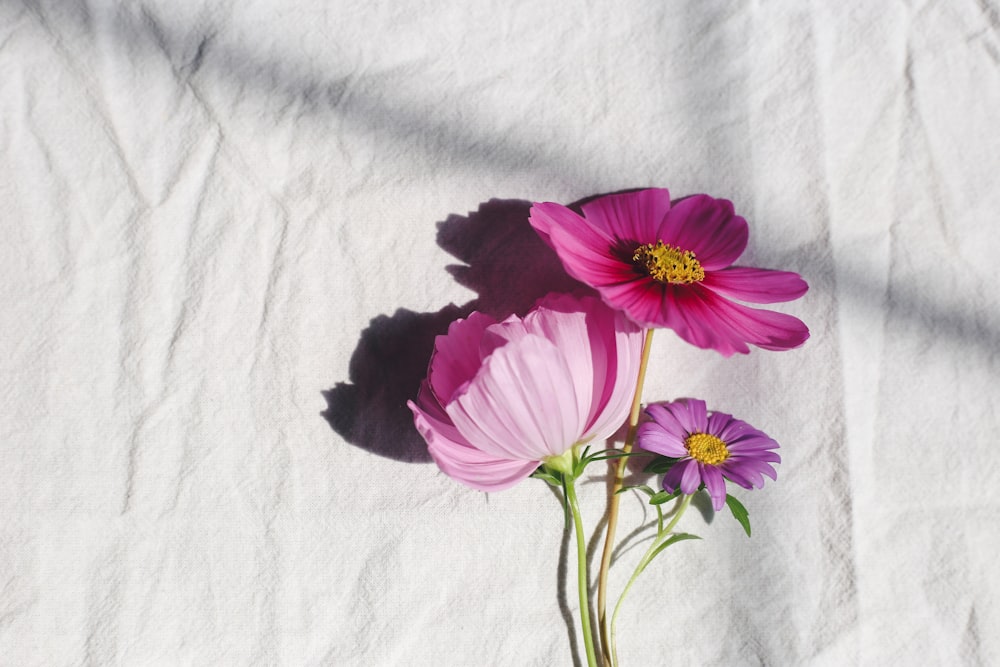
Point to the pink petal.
(632, 216)
(709, 228)
(521, 404)
(562, 319)
(756, 285)
(602, 349)
(477, 469)
(456, 355)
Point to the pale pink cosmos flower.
(711, 447)
(503, 397)
(671, 266)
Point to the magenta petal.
(692, 318)
(756, 285)
(585, 251)
(709, 228)
(766, 329)
(588, 257)
(456, 355)
(640, 298)
(545, 217)
(631, 216)
(715, 484)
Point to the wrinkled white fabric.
(232, 229)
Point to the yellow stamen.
(669, 264)
(706, 448)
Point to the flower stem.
(643, 562)
(581, 571)
(613, 501)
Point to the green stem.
(581, 571)
(661, 534)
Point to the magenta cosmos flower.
(711, 448)
(671, 267)
(503, 397)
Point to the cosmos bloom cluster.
(533, 396)
(502, 398)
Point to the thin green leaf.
(548, 477)
(673, 539)
(739, 513)
(642, 487)
(663, 497)
(660, 465)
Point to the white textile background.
(230, 231)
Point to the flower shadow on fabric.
(504, 262)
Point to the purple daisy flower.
(711, 448)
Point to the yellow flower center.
(706, 448)
(669, 264)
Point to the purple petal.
(690, 476)
(690, 413)
(715, 484)
(652, 437)
(756, 285)
(672, 478)
(666, 419)
(718, 423)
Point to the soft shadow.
(386, 370)
(504, 262)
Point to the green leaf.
(543, 474)
(660, 465)
(642, 487)
(663, 497)
(739, 513)
(673, 539)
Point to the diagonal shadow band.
(504, 262)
